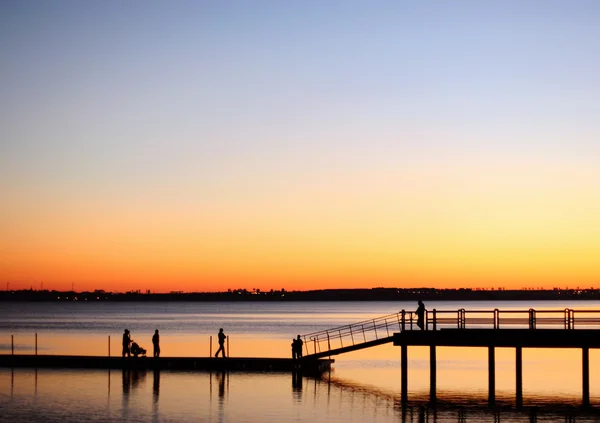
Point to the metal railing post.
(531, 318)
(434, 319)
(496, 318)
(328, 342)
(426, 320)
(109, 345)
(36, 343)
(375, 329)
(210, 348)
(12, 344)
(403, 324)
(341, 341)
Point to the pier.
(489, 329)
(248, 364)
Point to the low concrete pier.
(248, 364)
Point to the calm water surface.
(363, 386)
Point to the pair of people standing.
(297, 348)
(127, 344)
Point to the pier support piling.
(404, 373)
(519, 375)
(585, 367)
(432, 373)
(491, 374)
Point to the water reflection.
(156, 386)
(297, 381)
(248, 397)
(132, 379)
(458, 407)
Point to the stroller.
(137, 350)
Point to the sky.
(214, 145)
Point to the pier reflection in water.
(69, 396)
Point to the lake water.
(364, 386)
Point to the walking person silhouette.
(421, 315)
(221, 349)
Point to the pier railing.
(378, 330)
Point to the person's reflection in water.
(132, 379)
(126, 382)
(156, 385)
(221, 376)
(297, 381)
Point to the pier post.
(491, 374)
(109, 345)
(519, 375)
(585, 356)
(404, 372)
(432, 373)
(36, 343)
(12, 344)
(210, 351)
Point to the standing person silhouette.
(299, 344)
(293, 349)
(421, 315)
(221, 349)
(156, 343)
(126, 343)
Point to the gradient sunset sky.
(207, 145)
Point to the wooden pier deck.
(249, 364)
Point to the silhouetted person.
(221, 349)
(294, 349)
(421, 315)
(155, 343)
(126, 342)
(299, 345)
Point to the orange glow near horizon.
(430, 230)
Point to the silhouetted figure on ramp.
(156, 343)
(221, 336)
(421, 315)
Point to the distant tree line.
(374, 294)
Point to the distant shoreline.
(374, 294)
